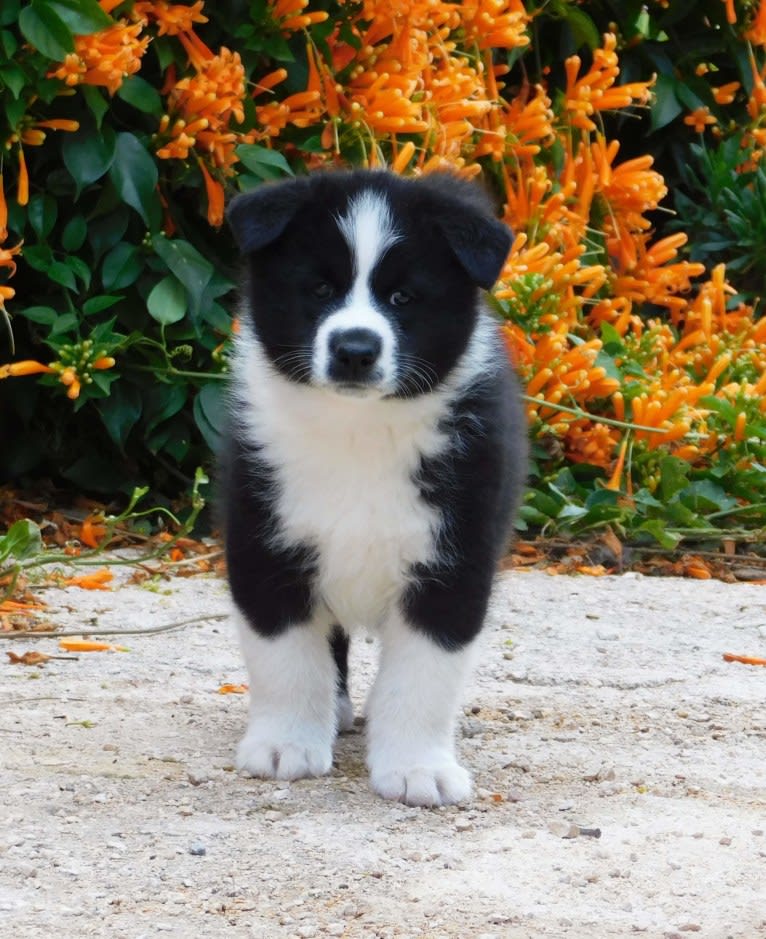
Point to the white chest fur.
(344, 469)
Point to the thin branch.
(153, 630)
(579, 412)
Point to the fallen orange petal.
(744, 659)
(86, 645)
(96, 581)
(228, 688)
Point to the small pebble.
(700, 716)
(306, 932)
(607, 635)
(198, 776)
(724, 841)
(690, 927)
(198, 850)
(463, 824)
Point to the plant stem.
(578, 412)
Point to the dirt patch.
(601, 704)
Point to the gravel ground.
(601, 703)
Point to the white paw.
(345, 712)
(290, 755)
(426, 782)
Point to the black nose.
(353, 354)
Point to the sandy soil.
(600, 704)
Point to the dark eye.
(400, 298)
(323, 291)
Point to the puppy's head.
(365, 282)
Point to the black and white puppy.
(375, 452)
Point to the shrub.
(125, 122)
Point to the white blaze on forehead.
(369, 231)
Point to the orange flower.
(587, 442)
(756, 32)
(171, 18)
(725, 94)
(699, 119)
(201, 107)
(731, 14)
(289, 15)
(495, 24)
(24, 367)
(98, 580)
(106, 57)
(595, 90)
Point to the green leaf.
(162, 401)
(61, 274)
(42, 212)
(66, 323)
(121, 411)
(97, 304)
(38, 257)
(22, 540)
(703, 495)
(13, 78)
(167, 301)
(188, 265)
(656, 528)
(88, 154)
(96, 102)
(265, 163)
(584, 30)
(121, 267)
(43, 28)
(9, 12)
(134, 174)
(75, 231)
(79, 268)
(666, 106)
(674, 475)
(45, 315)
(210, 413)
(81, 16)
(137, 92)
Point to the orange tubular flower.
(24, 367)
(495, 24)
(289, 15)
(171, 18)
(757, 30)
(106, 57)
(725, 94)
(596, 91)
(699, 119)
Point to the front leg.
(411, 714)
(292, 721)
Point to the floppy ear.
(481, 244)
(260, 216)
(463, 213)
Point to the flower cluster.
(106, 57)
(630, 347)
(73, 368)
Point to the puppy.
(375, 453)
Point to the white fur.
(369, 232)
(411, 719)
(293, 721)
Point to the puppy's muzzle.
(354, 356)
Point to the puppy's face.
(366, 283)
